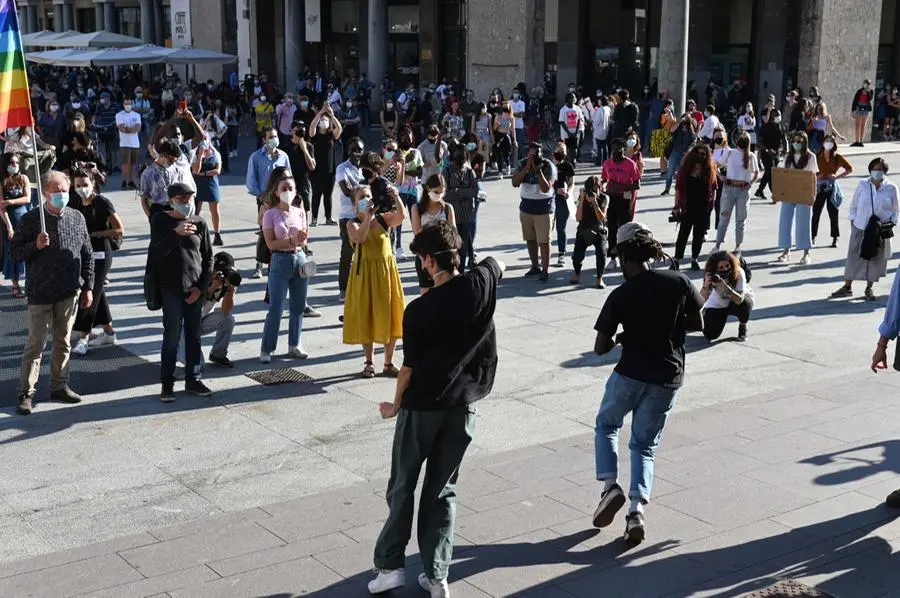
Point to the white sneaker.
(103, 339)
(297, 353)
(81, 347)
(401, 255)
(387, 581)
(561, 261)
(437, 588)
(257, 273)
(265, 357)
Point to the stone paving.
(774, 464)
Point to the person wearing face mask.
(710, 124)
(52, 125)
(286, 231)
(83, 156)
(433, 151)
(15, 202)
(60, 264)
(408, 186)
(571, 124)
(141, 105)
(504, 130)
(429, 210)
(772, 145)
(75, 105)
(350, 124)
(621, 180)
(159, 176)
(21, 141)
(683, 137)
(535, 180)
(284, 119)
(106, 230)
(129, 125)
(390, 119)
(874, 212)
(325, 129)
(348, 176)
(727, 293)
(264, 115)
(832, 166)
(373, 310)
(206, 167)
(517, 105)
(601, 121)
(461, 194)
(720, 151)
(591, 217)
(105, 125)
(695, 194)
(625, 116)
(481, 127)
(300, 153)
(740, 170)
(797, 215)
(746, 122)
(180, 260)
(562, 188)
(861, 109)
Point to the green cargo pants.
(439, 439)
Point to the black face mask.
(368, 174)
(432, 139)
(559, 157)
(459, 158)
(405, 145)
(719, 140)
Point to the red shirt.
(620, 176)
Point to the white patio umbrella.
(102, 39)
(82, 57)
(183, 55)
(34, 39)
(59, 40)
(51, 56)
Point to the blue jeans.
(177, 313)
(674, 163)
(283, 277)
(800, 216)
(562, 218)
(650, 405)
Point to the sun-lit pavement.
(775, 463)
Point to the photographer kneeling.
(727, 293)
(223, 287)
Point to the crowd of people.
(424, 172)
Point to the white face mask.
(828, 145)
(435, 195)
(286, 197)
(84, 192)
(324, 123)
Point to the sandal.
(844, 291)
(368, 370)
(18, 293)
(390, 371)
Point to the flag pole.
(37, 174)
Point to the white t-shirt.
(518, 106)
(717, 300)
(600, 119)
(570, 119)
(351, 175)
(734, 166)
(129, 119)
(710, 124)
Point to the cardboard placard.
(793, 186)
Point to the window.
(130, 21)
(345, 16)
(230, 28)
(403, 19)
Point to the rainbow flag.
(15, 97)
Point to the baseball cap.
(630, 230)
(179, 189)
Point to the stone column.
(504, 44)
(700, 53)
(99, 16)
(294, 39)
(31, 17)
(64, 20)
(771, 48)
(838, 69)
(377, 46)
(110, 17)
(568, 45)
(673, 50)
(158, 25)
(148, 33)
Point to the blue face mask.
(797, 146)
(877, 175)
(471, 147)
(59, 200)
(388, 154)
(185, 209)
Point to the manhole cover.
(788, 589)
(279, 376)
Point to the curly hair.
(712, 264)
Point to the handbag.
(263, 253)
(872, 235)
(152, 290)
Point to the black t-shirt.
(625, 117)
(96, 216)
(589, 220)
(298, 164)
(323, 148)
(652, 309)
(565, 174)
(452, 364)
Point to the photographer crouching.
(222, 288)
(727, 292)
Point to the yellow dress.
(373, 308)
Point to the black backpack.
(748, 274)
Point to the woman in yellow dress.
(373, 309)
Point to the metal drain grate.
(788, 589)
(279, 376)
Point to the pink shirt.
(624, 172)
(283, 223)
(285, 118)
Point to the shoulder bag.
(152, 289)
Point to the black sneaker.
(634, 528)
(742, 332)
(217, 239)
(534, 271)
(760, 194)
(222, 361)
(695, 265)
(167, 394)
(610, 502)
(132, 185)
(123, 186)
(198, 388)
(543, 277)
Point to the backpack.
(748, 274)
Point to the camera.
(717, 278)
(380, 197)
(223, 263)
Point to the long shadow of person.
(865, 466)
